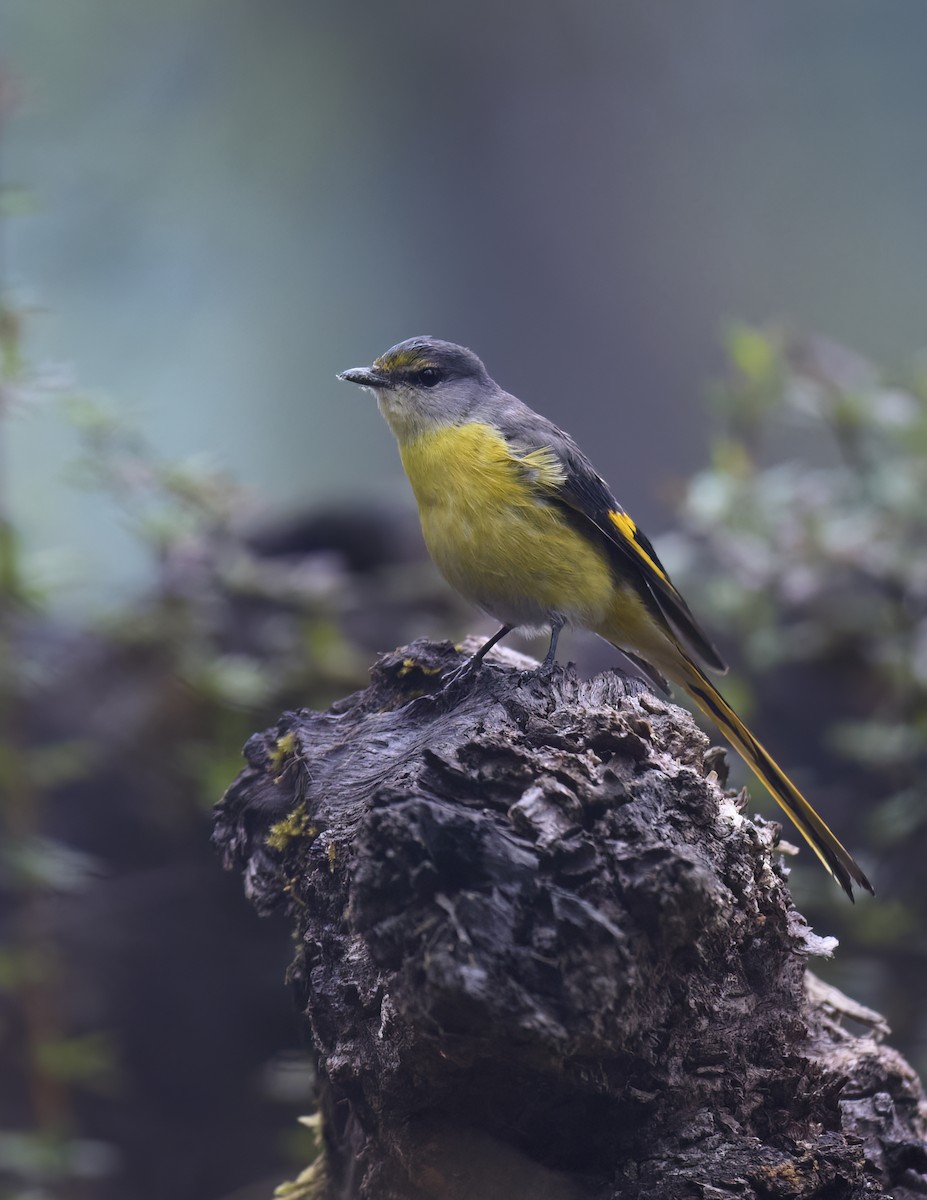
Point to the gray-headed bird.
(519, 522)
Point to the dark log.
(542, 954)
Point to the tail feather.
(838, 861)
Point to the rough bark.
(542, 954)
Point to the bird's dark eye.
(429, 376)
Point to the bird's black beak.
(365, 377)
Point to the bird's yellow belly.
(494, 540)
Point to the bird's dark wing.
(584, 492)
(561, 473)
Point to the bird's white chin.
(405, 418)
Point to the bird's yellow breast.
(493, 536)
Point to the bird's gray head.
(424, 383)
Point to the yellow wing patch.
(628, 531)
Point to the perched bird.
(518, 521)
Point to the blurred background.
(693, 235)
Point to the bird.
(519, 522)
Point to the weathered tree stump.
(542, 954)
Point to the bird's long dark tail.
(838, 861)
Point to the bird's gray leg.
(472, 665)
(477, 659)
(550, 658)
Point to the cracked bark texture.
(542, 954)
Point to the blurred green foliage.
(116, 737)
(49, 1063)
(804, 544)
(37, 1054)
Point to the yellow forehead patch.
(401, 361)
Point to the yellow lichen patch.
(332, 855)
(786, 1178)
(283, 748)
(308, 1185)
(409, 665)
(312, 1182)
(295, 825)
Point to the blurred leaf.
(46, 863)
(752, 352)
(11, 360)
(898, 818)
(888, 923)
(36, 1157)
(21, 966)
(290, 1078)
(85, 1060)
(730, 458)
(32, 1155)
(11, 584)
(875, 743)
(93, 416)
(59, 763)
(234, 679)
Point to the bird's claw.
(462, 674)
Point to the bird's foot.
(461, 675)
(543, 673)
